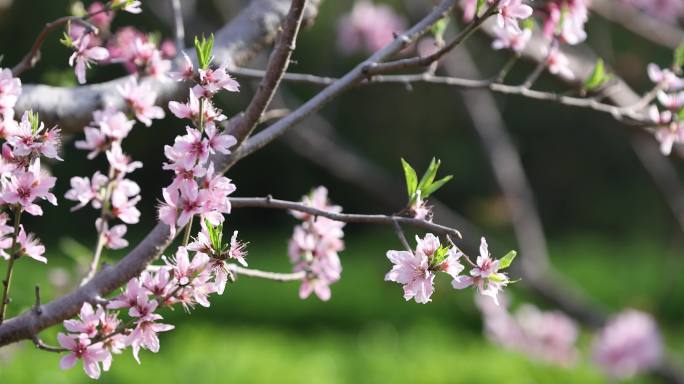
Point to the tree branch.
(267, 202)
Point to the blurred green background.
(608, 226)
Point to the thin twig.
(268, 202)
(277, 66)
(14, 255)
(284, 277)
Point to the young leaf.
(430, 189)
(411, 179)
(507, 260)
(204, 49)
(598, 76)
(429, 175)
(439, 28)
(440, 255)
(678, 60)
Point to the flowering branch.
(32, 57)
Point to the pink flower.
(516, 40)
(145, 335)
(159, 283)
(412, 271)
(89, 320)
(469, 8)
(10, 89)
(95, 142)
(113, 123)
(129, 297)
(541, 335)
(219, 142)
(510, 11)
(629, 343)
(665, 78)
(102, 20)
(672, 101)
(84, 55)
(670, 135)
(30, 246)
(184, 270)
(214, 80)
(26, 141)
(141, 98)
(484, 276)
(558, 63)
(187, 71)
(124, 208)
(24, 187)
(121, 162)
(81, 348)
(368, 27)
(84, 190)
(114, 237)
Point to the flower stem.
(188, 230)
(10, 265)
(104, 227)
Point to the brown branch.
(267, 202)
(628, 114)
(277, 66)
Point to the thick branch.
(237, 42)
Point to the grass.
(260, 332)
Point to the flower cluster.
(196, 188)
(368, 27)
(133, 49)
(22, 181)
(629, 343)
(98, 333)
(416, 270)
(549, 336)
(114, 194)
(314, 246)
(670, 129)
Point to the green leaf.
(66, 40)
(480, 5)
(495, 278)
(34, 119)
(204, 49)
(527, 23)
(440, 255)
(429, 175)
(507, 260)
(598, 76)
(439, 28)
(411, 179)
(678, 59)
(432, 188)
